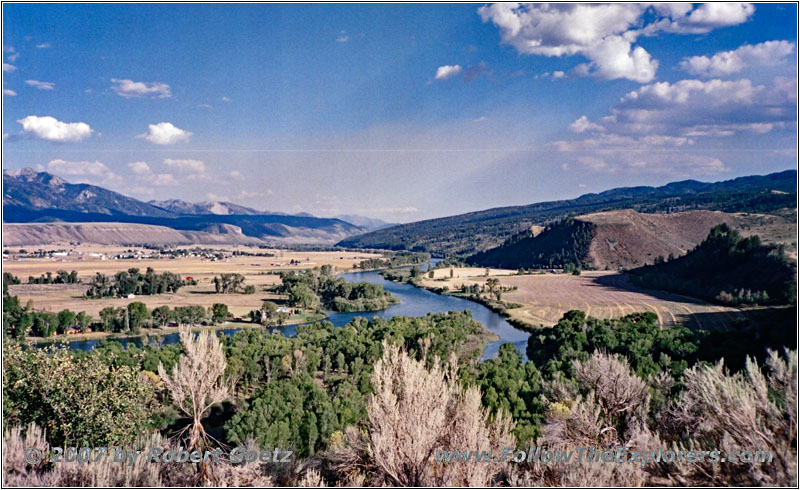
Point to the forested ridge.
(469, 233)
(726, 268)
(565, 243)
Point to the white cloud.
(8, 91)
(43, 46)
(186, 165)
(342, 37)
(165, 133)
(41, 85)
(709, 16)
(8, 68)
(128, 88)
(656, 127)
(51, 129)
(84, 171)
(604, 33)
(205, 106)
(13, 54)
(235, 174)
(677, 112)
(582, 124)
(140, 168)
(447, 71)
(724, 63)
(146, 175)
(224, 99)
(597, 31)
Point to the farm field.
(546, 297)
(256, 270)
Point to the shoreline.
(493, 306)
(163, 331)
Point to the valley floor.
(545, 297)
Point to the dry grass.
(56, 297)
(546, 297)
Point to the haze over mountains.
(39, 197)
(469, 233)
(56, 210)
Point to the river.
(413, 302)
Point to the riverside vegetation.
(307, 292)
(331, 394)
(345, 400)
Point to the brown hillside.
(626, 239)
(18, 234)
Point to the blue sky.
(401, 112)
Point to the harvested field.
(546, 297)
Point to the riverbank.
(501, 308)
(299, 319)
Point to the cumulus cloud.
(660, 127)
(724, 63)
(8, 68)
(342, 37)
(447, 71)
(140, 168)
(41, 85)
(84, 171)
(582, 124)
(165, 133)
(186, 165)
(128, 88)
(43, 46)
(145, 174)
(705, 18)
(604, 33)
(675, 114)
(51, 129)
(9, 92)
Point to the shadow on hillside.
(759, 330)
(706, 320)
(621, 282)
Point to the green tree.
(161, 316)
(219, 313)
(82, 401)
(137, 315)
(66, 320)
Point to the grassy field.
(546, 297)
(257, 271)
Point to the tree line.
(21, 320)
(133, 281)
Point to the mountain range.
(469, 233)
(40, 197)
